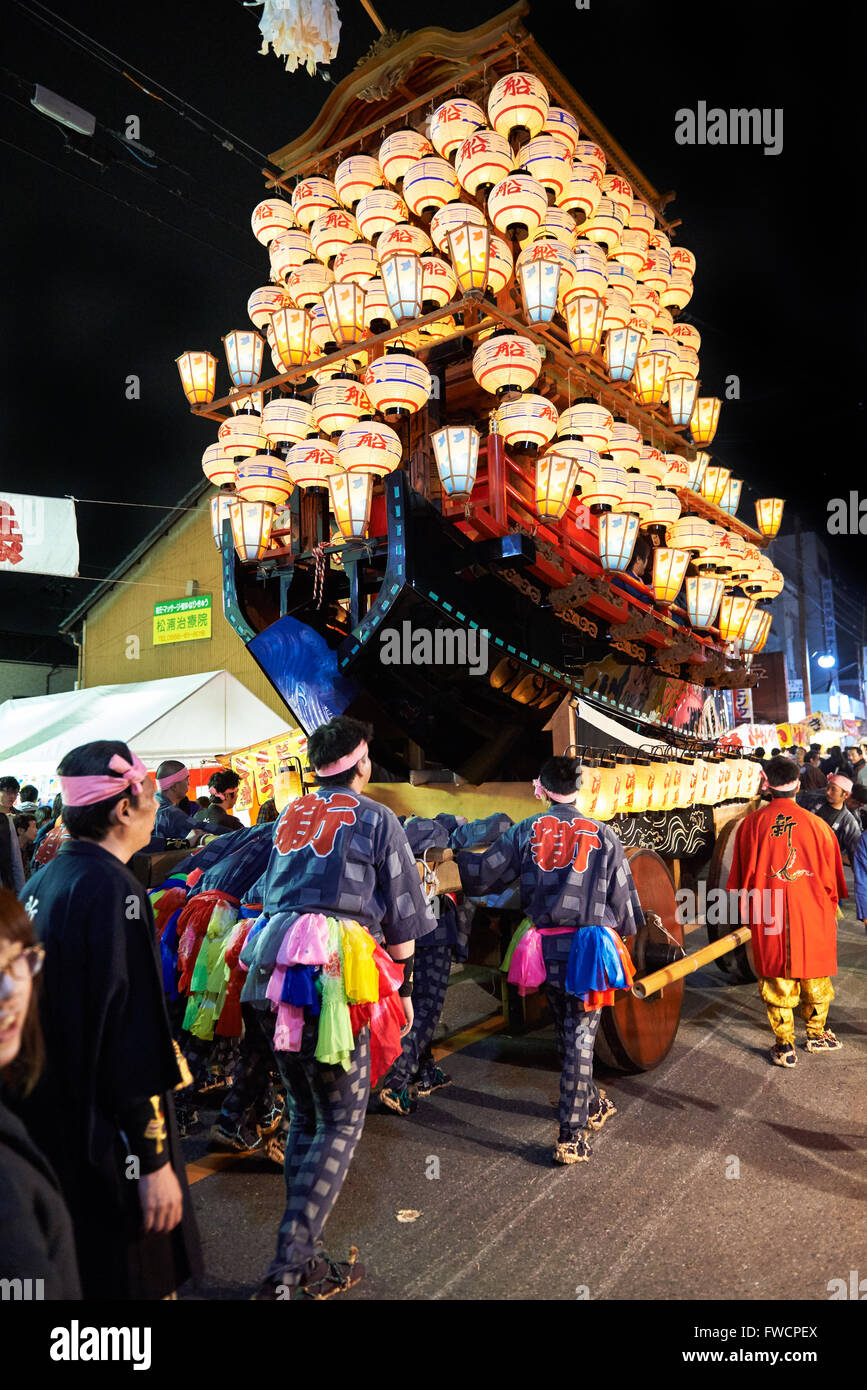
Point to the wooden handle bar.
(660, 978)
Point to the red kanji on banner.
(312, 821)
(556, 843)
(11, 540)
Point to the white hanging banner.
(38, 535)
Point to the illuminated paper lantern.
(339, 403)
(546, 160)
(591, 785)
(357, 263)
(242, 436)
(312, 462)
(398, 384)
(618, 312)
(697, 469)
(656, 274)
(428, 185)
(769, 515)
(518, 102)
(665, 512)
(453, 216)
(772, 584)
(625, 444)
(648, 380)
(400, 151)
(584, 322)
(731, 496)
(244, 351)
(682, 259)
(682, 395)
(379, 211)
(631, 252)
(469, 249)
(311, 198)
(615, 187)
(357, 176)
(605, 226)
(684, 363)
(501, 266)
(217, 466)
(344, 305)
(506, 362)
(660, 785)
(251, 403)
(402, 278)
(643, 777)
(287, 252)
(589, 153)
(639, 497)
(669, 570)
(288, 420)
(529, 421)
(263, 478)
(263, 303)
(720, 553)
(539, 278)
(756, 630)
(456, 450)
(622, 346)
(341, 367)
(378, 317)
(589, 422)
(322, 335)
(713, 484)
(618, 532)
(351, 495)
(198, 373)
(690, 533)
(621, 280)
(642, 219)
(734, 613)
(583, 192)
(369, 447)
(679, 290)
(252, 523)
(306, 284)
(517, 203)
(220, 513)
(439, 283)
(705, 418)
(608, 797)
(607, 489)
(676, 471)
(704, 593)
(453, 123)
(271, 218)
(292, 342)
(556, 476)
(591, 270)
(557, 226)
(687, 336)
(332, 233)
(563, 126)
(482, 161)
(404, 238)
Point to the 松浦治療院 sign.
(182, 619)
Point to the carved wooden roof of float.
(404, 74)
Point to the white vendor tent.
(194, 718)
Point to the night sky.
(112, 267)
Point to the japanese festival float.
(483, 408)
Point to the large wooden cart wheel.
(739, 965)
(636, 1034)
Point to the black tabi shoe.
(435, 1080)
(323, 1278)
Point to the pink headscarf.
(840, 781)
(343, 764)
(172, 779)
(542, 792)
(85, 791)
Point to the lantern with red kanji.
(518, 104)
(454, 122)
(311, 198)
(356, 176)
(506, 362)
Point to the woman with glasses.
(36, 1240)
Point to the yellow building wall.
(118, 644)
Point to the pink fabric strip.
(163, 782)
(542, 792)
(343, 764)
(789, 787)
(85, 791)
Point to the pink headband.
(542, 792)
(343, 764)
(789, 786)
(844, 782)
(163, 782)
(84, 791)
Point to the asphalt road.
(721, 1176)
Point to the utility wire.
(100, 53)
(199, 240)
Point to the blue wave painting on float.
(303, 668)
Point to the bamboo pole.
(660, 978)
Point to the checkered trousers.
(576, 1035)
(430, 981)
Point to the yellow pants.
(782, 998)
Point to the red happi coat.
(792, 858)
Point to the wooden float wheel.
(634, 1034)
(739, 965)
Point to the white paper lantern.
(605, 226)
(563, 126)
(589, 153)
(428, 185)
(242, 436)
(311, 198)
(404, 238)
(517, 202)
(453, 215)
(263, 478)
(305, 285)
(271, 218)
(625, 444)
(589, 422)
(332, 233)
(218, 466)
(529, 421)
(287, 252)
(288, 420)
(483, 160)
(454, 122)
(518, 102)
(547, 160)
(356, 176)
(356, 263)
(439, 283)
(501, 266)
(506, 362)
(398, 384)
(312, 463)
(379, 211)
(400, 151)
(583, 192)
(339, 403)
(369, 447)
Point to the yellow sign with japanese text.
(182, 619)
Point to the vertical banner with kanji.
(38, 535)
